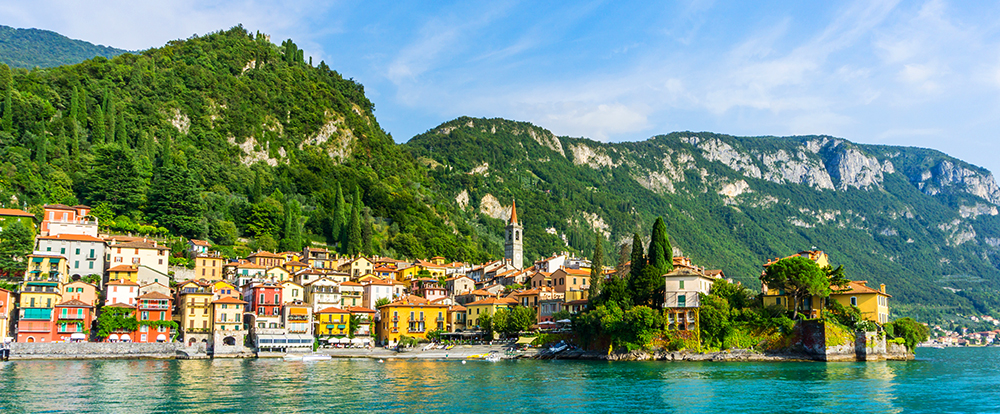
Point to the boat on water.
(561, 346)
(307, 357)
(493, 356)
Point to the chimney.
(881, 288)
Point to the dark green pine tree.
(367, 230)
(354, 242)
(74, 104)
(597, 266)
(339, 221)
(116, 179)
(638, 265)
(8, 111)
(120, 136)
(660, 254)
(110, 116)
(97, 127)
(175, 200)
(81, 110)
(292, 240)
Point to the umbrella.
(357, 341)
(564, 321)
(547, 323)
(334, 340)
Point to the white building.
(121, 291)
(323, 293)
(84, 253)
(682, 288)
(375, 290)
(138, 252)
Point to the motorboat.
(493, 356)
(561, 346)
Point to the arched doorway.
(192, 341)
(230, 341)
(31, 339)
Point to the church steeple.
(513, 246)
(513, 213)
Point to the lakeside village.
(80, 286)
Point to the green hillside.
(219, 137)
(29, 48)
(889, 214)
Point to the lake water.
(940, 380)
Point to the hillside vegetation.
(917, 220)
(218, 137)
(29, 48)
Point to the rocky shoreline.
(739, 355)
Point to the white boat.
(315, 357)
(559, 347)
(493, 356)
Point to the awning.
(125, 337)
(564, 321)
(113, 337)
(37, 259)
(161, 337)
(524, 340)
(298, 311)
(78, 335)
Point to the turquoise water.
(940, 380)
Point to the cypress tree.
(354, 242)
(74, 104)
(597, 266)
(660, 253)
(367, 230)
(120, 136)
(109, 120)
(81, 110)
(339, 223)
(8, 111)
(97, 127)
(637, 258)
(293, 228)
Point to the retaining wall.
(104, 350)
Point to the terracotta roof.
(349, 283)
(359, 309)
(856, 287)
(81, 206)
(332, 310)
(124, 268)
(119, 305)
(58, 207)
(458, 308)
(229, 299)
(249, 265)
(513, 212)
(493, 301)
(154, 295)
(74, 303)
(15, 213)
(480, 292)
(295, 263)
(46, 255)
(200, 243)
(72, 237)
(140, 245)
(264, 253)
(122, 282)
(527, 292)
(576, 272)
(578, 302)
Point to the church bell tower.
(513, 247)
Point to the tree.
(381, 302)
(265, 217)
(97, 127)
(660, 254)
(175, 201)
(367, 230)
(714, 320)
(8, 111)
(353, 324)
(339, 223)
(597, 267)
(836, 276)
(910, 330)
(561, 315)
(485, 323)
(16, 242)
(799, 278)
(116, 179)
(292, 240)
(114, 319)
(354, 242)
(637, 259)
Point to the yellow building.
(873, 303)
(278, 274)
(294, 266)
(412, 316)
(195, 310)
(332, 322)
(222, 289)
(124, 272)
(227, 314)
(208, 266)
(47, 266)
(292, 292)
(488, 306)
(408, 273)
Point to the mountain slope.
(923, 223)
(28, 48)
(262, 132)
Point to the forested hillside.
(29, 48)
(222, 136)
(923, 223)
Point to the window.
(77, 251)
(261, 298)
(62, 250)
(777, 301)
(76, 264)
(145, 315)
(681, 301)
(854, 301)
(91, 265)
(681, 283)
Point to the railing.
(154, 307)
(71, 316)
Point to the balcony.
(71, 316)
(36, 314)
(440, 319)
(154, 306)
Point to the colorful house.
(277, 274)
(209, 266)
(84, 253)
(228, 314)
(81, 291)
(323, 293)
(221, 289)
(198, 247)
(566, 280)
(44, 266)
(295, 266)
(264, 298)
(121, 291)
(292, 292)
(6, 309)
(374, 290)
(351, 294)
(10, 215)
(365, 319)
(154, 312)
(195, 310)
(266, 259)
(63, 219)
(138, 252)
(488, 306)
(357, 267)
(873, 303)
(73, 320)
(682, 289)
(332, 322)
(124, 272)
(412, 316)
(38, 299)
(297, 317)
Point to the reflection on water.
(952, 380)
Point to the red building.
(264, 298)
(153, 310)
(71, 321)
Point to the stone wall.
(101, 350)
(219, 347)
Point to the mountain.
(922, 222)
(222, 136)
(28, 48)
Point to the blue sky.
(923, 73)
